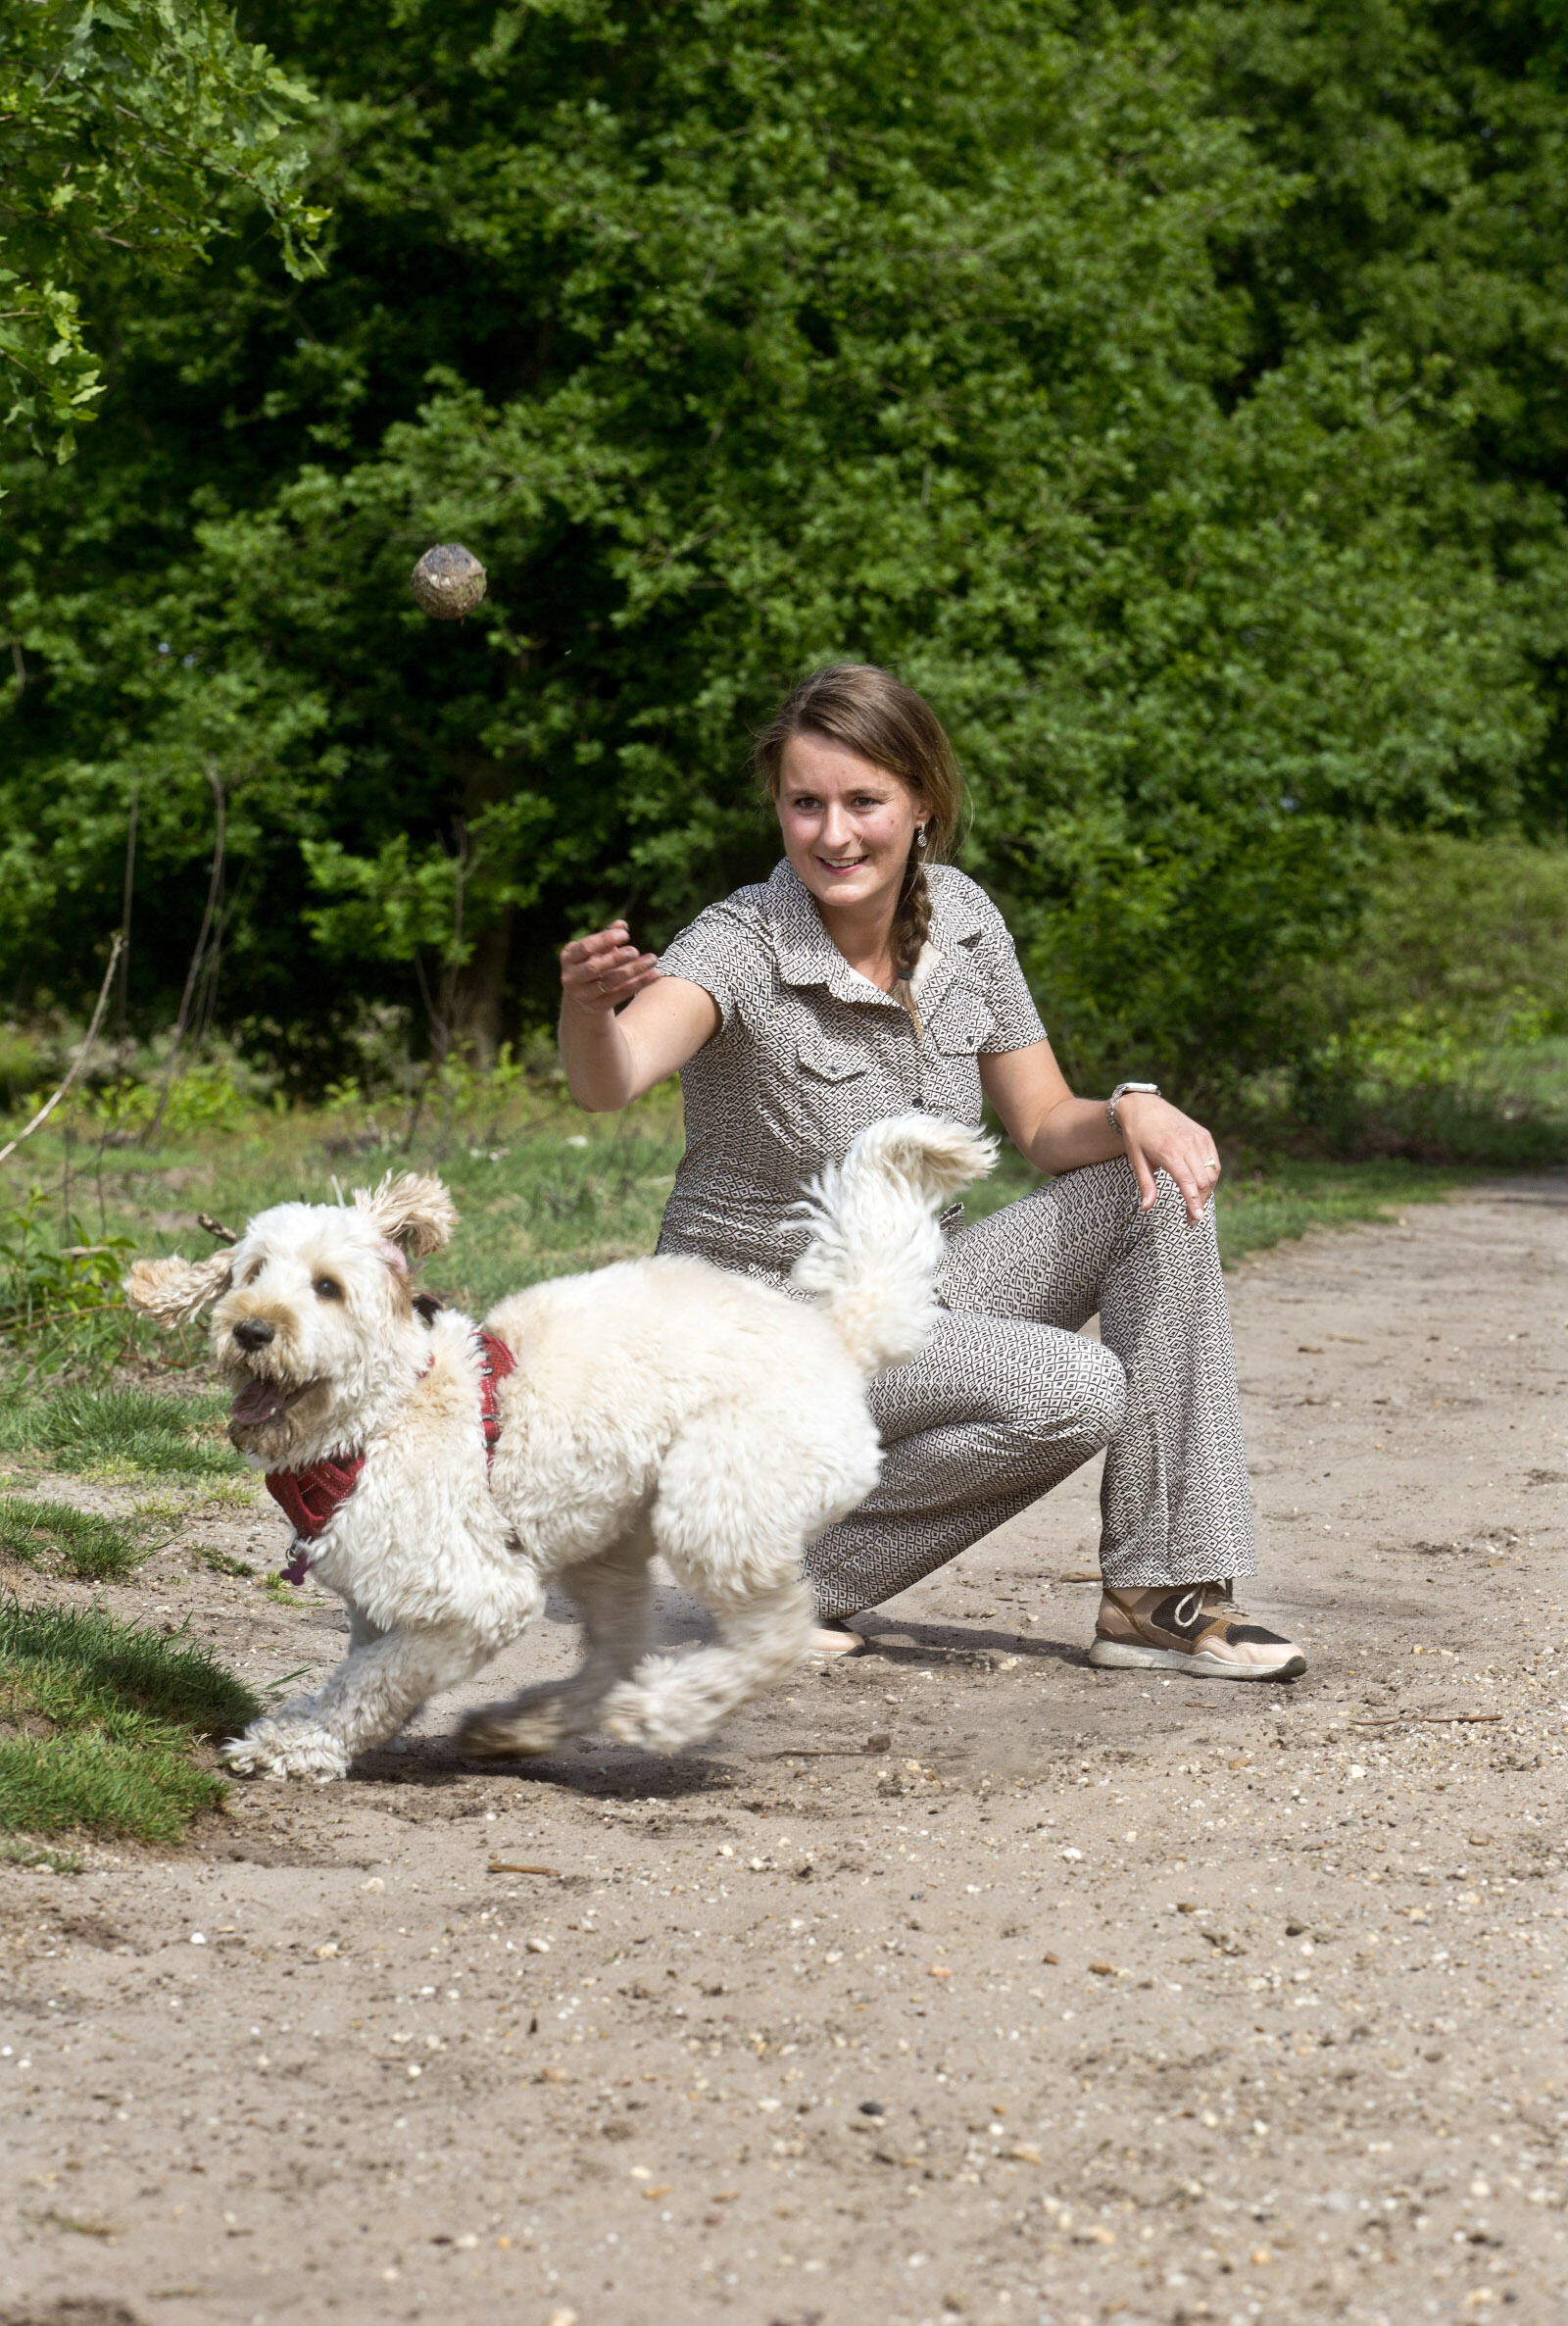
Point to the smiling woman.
(867, 978)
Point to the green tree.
(124, 123)
(734, 336)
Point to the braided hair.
(867, 711)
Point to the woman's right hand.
(599, 973)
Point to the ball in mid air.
(447, 581)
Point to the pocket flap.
(827, 1062)
(960, 1023)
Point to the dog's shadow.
(594, 1770)
(918, 1643)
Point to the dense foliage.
(1175, 395)
(122, 125)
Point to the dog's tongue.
(259, 1401)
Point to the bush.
(1439, 1029)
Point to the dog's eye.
(327, 1288)
(254, 1270)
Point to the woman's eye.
(327, 1288)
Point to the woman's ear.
(410, 1210)
(173, 1290)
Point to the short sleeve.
(716, 951)
(976, 934)
(1012, 1004)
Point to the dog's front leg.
(368, 1699)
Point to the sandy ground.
(955, 1983)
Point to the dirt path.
(960, 1983)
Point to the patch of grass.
(98, 1720)
(1279, 1200)
(92, 1549)
(221, 1562)
(59, 1861)
(1267, 1201)
(241, 1493)
(121, 1433)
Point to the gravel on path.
(954, 1983)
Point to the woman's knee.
(1088, 1412)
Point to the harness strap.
(312, 1498)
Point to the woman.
(866, 978)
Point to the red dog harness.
(311, 1498)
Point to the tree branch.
(48, 1107)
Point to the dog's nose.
(254, 1332)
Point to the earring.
(919, 835)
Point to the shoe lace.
(1217, 1599)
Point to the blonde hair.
(870, 712)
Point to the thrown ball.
(447, 581)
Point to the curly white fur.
(659, 1405)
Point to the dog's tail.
(875, 1246)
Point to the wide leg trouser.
(1008, 1398)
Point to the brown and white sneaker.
(1196, 1628)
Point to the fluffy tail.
(876, 1247)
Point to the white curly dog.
(662, 1405)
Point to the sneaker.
(1196, 1628)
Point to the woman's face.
(847, 824)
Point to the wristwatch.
(1128, 1090)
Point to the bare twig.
(182, 1019)
(80, 1059)
(1394, 1718)
(131, 820)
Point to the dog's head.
(313, 1309)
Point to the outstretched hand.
(599, 973)
(1159, 1137)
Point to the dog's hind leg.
(674, 1701)
(376, 1688)
(611, 1590)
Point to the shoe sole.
(1108, 1655)
(848, 1642)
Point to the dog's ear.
(173, 1290)
(410, 1210)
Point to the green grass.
(59, 1861)
(124, 1434)
(1271, 1203)
(94, 1550)
(1262, 1204)
(98, 1720)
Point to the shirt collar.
(807, 955)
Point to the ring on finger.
(602, 987)
(1212, 1163)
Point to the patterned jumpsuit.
(1010, 1396)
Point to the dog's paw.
(499, 1732)
(285, 1749)
(651, 1721)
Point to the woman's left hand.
(1159, 1137)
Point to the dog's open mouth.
(261, 1403)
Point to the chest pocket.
(826, 1062)
(960, 1023)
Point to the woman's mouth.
(852, 866)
